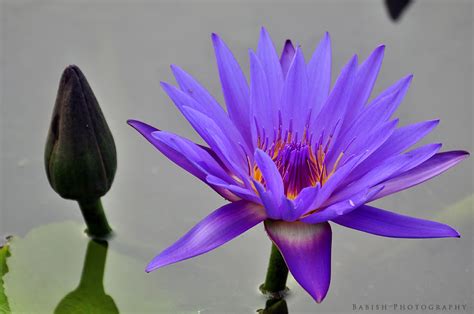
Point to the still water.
(125, 49)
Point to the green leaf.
(4, 253)
(57, 269)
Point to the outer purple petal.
(221, 226)
(190, 151)
(287, 55)
(269, 58)
(183, 100)
(228, 152)
(306, 249)
(384, 223)
(319, 74)
(195, 160)
(434, 166)
(205, 103)
(235, 88)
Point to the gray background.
(125, 48)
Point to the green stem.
(277, 273)
(94, 216)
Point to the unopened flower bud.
(80, 154)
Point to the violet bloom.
(295, 154)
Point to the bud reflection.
(90, 296)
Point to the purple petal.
(263, 109)
(333, 183)
(391, 89)
(230, 154)
(410, 160)
(205, 103)
(235, 88)
(330, 118)
(319, 74)
(364, 144)
(287, 55)
(365, 80)
(294, 107)
(193, 89)
(240, 192)
(400, 140)
(434, 166)
(269, 58)
(372, 117)
(271, 175)
(182, 100)
(384, 223)
(341, 208)
(306, 249)
(194, 159)
(373, 177)
(306, 198)
(221, 226)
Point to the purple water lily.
(295, 154)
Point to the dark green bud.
(80, 154)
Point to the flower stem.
(96, 221)
(277, 273)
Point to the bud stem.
(277, 273)
(96, 221)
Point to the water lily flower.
(296, 154)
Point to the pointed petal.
(372, 117)
(330, 118)
(264, 112)
(294, 106)
(365, 80)
(400, 140)
(384, 223)
(391, 89)
(319, 74)
(287, 55)
(193, 89)
(183, 100)
(191, 152)
(234, 87)
(204, 103)
(223, 225)
(306, 249)
(193, 158)
(229, 153)
(434, 166)
(269, 58)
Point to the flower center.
(299, 165)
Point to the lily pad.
(57, 269)
(4, 253)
